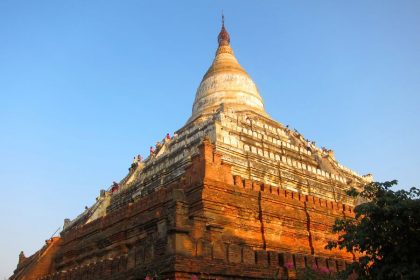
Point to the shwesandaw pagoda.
(233, 194)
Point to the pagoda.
(233, 194)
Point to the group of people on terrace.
(154, 150)
(310, 145)
(139, 159)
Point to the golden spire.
(226, 82)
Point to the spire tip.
(223, 19)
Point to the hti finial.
(223, 38)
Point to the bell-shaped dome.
(226, 82)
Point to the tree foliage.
(385, 234)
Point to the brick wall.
(208, 223)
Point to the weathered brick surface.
(208, 223)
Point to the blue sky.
(86, 85)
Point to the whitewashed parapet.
(235, 142)
(348, 170)
(259, 131)
(233, 122)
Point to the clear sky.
(86, 85)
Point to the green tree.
(385, 233)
